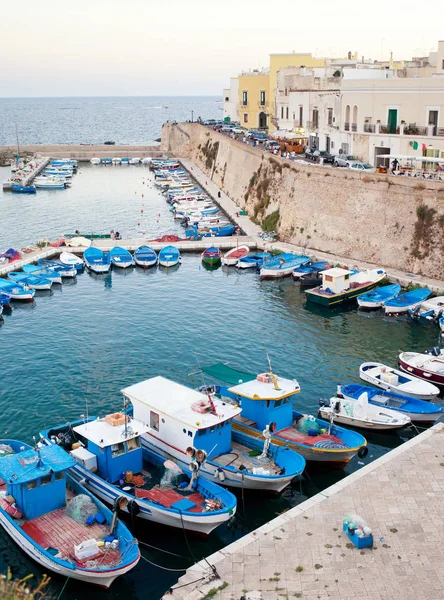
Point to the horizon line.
(118, 96)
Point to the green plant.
(270, 222)
(299, 569)
(420, 186)
(19, 589)
(211, 593)
(252, 178)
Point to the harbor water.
(74, 348)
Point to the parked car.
(316, 155)
(228, 127)
(238, 130)
(343, 160)
(260, 137)
(251, 133)
(360, 166)
(272, 145)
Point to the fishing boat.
(342, 285)
(134, 161)
(268, 400)
(24, 189)
(96, 260)
(63, 162)
(5, 299)
(375, 298)
(419, 411)
(71, 260)
(216, 230)
(116, 160)
(121, 258)
(106, 161)
(311, 267)
(359, 413)
(125, 160)
(401, 304)
(252, 261)
(192, 427)
(29, 280)
(429, 310)
(56, 521)
(89, 236)
(64, 270)
(95, 161)
(282, 266)
(231, 257)
(169, 256)
(39, 271)
(424, 366)
(145, 256)
(16, 291)
(50, 184)
(212, 256)
(396, 381)
(113, 463)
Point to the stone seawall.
(385, 220)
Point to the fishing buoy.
(158, 214)
(141, 210)
(143, 196)
(135, 192)
(138, 223)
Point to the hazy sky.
(179, 47)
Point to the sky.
(190, 47)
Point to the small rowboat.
(359, 413)
(16, 291)
(32, 281)
(211, 256)
(71, 260)
(419, 411)
(376, 298)
(396, 381)
(145, 256)
(312, 267)
(169, 256)
(38, 271)
(22, 189)
(429, 310)
(253, 261)
(63, 270)
(4, 299)
(282, 266)
(401, 304)
(96, 260)
(424, 366)
(231, 258)
(120, 257)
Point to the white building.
(231, 100)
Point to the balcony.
(311, 124)
(440, 131)
(354, 127)
(346, 126)
(413, 129)
(369, 128)
(261, 104)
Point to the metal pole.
(192, 116)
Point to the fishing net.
(5, 449)
(80, 508)
(308, 424)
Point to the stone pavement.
(304, 554)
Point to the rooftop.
(259, 390)
(32, 464)
(176, 400)
(104, 434)
(336, 272)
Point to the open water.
(88, 339)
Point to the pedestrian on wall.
(395, 165)
(218, 194)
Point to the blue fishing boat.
(311, 267)
(252, 261)
(267, 402)
(401, 304)
(418, 410)
(121, 257)
(5, 299)
(212, 256)
(125, 160)
(22, 189)
(96, 260)
(376, 298)
(38, 271)
(52, 265)
(65, 162)
(106, 161)
(282, 265)
(114, 464)
(145, 256)
(16, 291)
(169, 256)
(29, 280)
(56, 521)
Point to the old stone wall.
(389, 221)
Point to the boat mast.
(17, 158)
(273, 376)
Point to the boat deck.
(58, 530)
(170, 498)
(240, 456)
(354, 286)
(324, 440)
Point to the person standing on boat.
(112, 234)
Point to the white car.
(238, 130)
(343, 160)
(360, 166)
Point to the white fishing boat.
(146, 160)
(70, 259)
(359, 413)
(231, 257)
(95, 161)
(116, 160)
(134, 161)
(48, 183)
(394, 380)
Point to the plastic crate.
(359, 542)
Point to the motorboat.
(43, 272)
(402, 303)
(121, 257)
(134, 161)
(375, 298)
(396, 381)
(311, 267)
(64, 270)
(342, 285)
(95, 161)
(424, 366)
(116, 160)
(212, 256)
(96, 260)
(49, 184)
(145, 256)
(431, 309)
(24, 189)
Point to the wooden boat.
(418, 410)
(113, 464)
(424, 366)
(121, 258)
(342, 285)
(310, 280)
(431, 309)
(212, 256)
(89, 236)
(24, 189)
(375, 298)
(96, 260)
(396, 381)
(252, 261)
(39, 271)
(282, 266)
(29, 280)
(259, 396)
(95, 161)
(70, 259)
(234, 460)
(145, 256)
(64, 270)
(16, 291)
(5, 299)
(359, 413)
(46, 513)
(401, 304)
(169, 256)
(231, 257)
(311, 267)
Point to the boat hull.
(98, 268)
(122, 264)
(275, 273)
(384, 385)
(422, 373)
(145, 263)
(394, 311)
(334, 300)
(168, 263)
(367, 425)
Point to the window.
(282, 112)
(60, 475)
(245, 117)
(330, 116)
(185, 431)
(286, 113)
(32, 484)
(301, 115)
(328, 278)
(244, 98)
(286, 91)
(277, 403)
(347, 276)
(442, 65)
(190, 434)
(133, 444)
(227, 99)
(294, 116)
(118, 449)
(45, 480)
(262, 98)
(154, 420)
(315, 118)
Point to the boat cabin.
(182, 417)
(336, 280)
(111, 446)
(267, 399)
(36, 479)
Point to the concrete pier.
(80, 152)
(7, 185)
(304, 553)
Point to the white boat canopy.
(104, 434)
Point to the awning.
(227, 374)
(412, 158)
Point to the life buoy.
(363, 451)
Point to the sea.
(77, 346)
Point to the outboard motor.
(337, 406)
(435, 351)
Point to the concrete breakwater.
(380, 219)
(78, 152)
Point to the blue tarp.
(32, 464)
